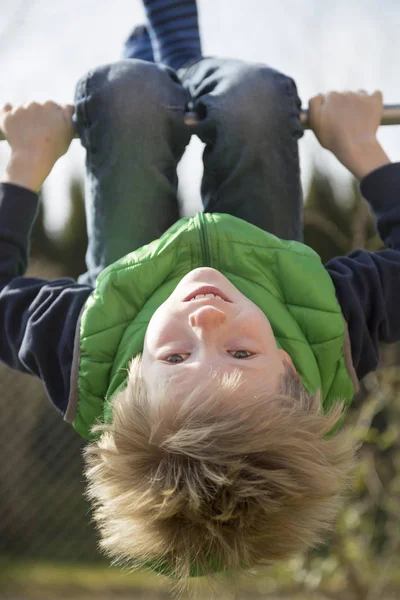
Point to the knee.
(266, 89)
(254, 94)
(122, 90)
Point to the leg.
(249, 121)
(138, 45)
(129, 116)
(174, 31)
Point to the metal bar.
(390, 116)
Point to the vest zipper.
(205, 249)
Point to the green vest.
(286, 279)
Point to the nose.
(207, 318)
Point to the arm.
(366, 283)
(38, 318)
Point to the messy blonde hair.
(214, 478)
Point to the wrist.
(26, 170)
(363, 157)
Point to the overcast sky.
(46, 45)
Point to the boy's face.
(187, 338)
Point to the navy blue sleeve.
(38, 317)
(367, 284)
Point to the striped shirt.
(174, 31)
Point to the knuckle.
(30, 105)
(50, 104)
(316, 100)
(333, 95)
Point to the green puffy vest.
(286, 279)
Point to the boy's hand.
(346, 124)
(38, 135)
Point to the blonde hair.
(216, 479)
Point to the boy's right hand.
(346, 124)
(38, 135)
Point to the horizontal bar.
(390, 116)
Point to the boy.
(213, 452)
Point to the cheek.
(258, 322)
(152, 330)
(162, 328)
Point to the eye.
(175, 358)
(241, 354)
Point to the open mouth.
(206, 291)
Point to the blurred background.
(47, 542)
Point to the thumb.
(316, 100)
(378, 95)
(5, 109)
(68, 111)
(314, 108)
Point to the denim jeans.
(130, 118)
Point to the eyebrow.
(233, 363)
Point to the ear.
(287, 358)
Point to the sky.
(47, 45)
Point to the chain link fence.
(43, 513)
(42, 510)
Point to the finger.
(362, 92)
(317, 97)
(6, 108)
(69, 109)
(316, 102)
(53, 105)
(378, 95)
(30, 105)
(314, 108)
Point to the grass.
(31, 580)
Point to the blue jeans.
(130, 118)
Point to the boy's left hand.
(38, 135)
(346, 124)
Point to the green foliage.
(334, 226)
(68, 249)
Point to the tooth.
(198, 296)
